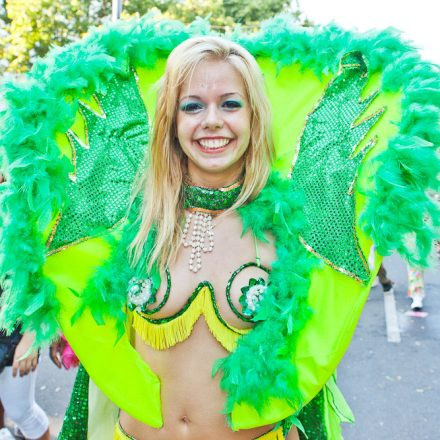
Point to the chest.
(230, 267)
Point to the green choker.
(211, 200)
(203, 204)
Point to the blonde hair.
(160, 186)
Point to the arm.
(25, 359)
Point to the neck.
(213, 180)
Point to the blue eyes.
(195, 107)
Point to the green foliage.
(222, 14)
(32, 28)
(4, 21)
(29, 28)
(188, 10)
(141, 7)
(252, 12)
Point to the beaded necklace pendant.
(203, 205)
(202, 238)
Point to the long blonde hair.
(160, 186)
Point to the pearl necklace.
(203, 205)
(202, 237)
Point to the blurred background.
(29, 28)
(418, 20)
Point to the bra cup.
(226, 270)
(180, 298)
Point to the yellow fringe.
(165, 335)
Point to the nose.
(212, 119)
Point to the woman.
(73, 261)
(211, 153)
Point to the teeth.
(213, 143)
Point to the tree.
(221, 13)
(29, 28)
(188, 10)
(253, 12)
(4, 22)
(141, 7)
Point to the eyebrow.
(222, 96)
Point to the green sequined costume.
(355, 130)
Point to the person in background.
(384, 281)
(17, 385)
(416, 288)
(17, 388)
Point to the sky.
(418, 19)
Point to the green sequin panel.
(76, 417)
(98, 195)
(312, 418)
(326, 168)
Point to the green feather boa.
(261, 366)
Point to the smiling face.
(213, 123)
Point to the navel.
(185, 419)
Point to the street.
(392, 387)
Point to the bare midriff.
(192, 401)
